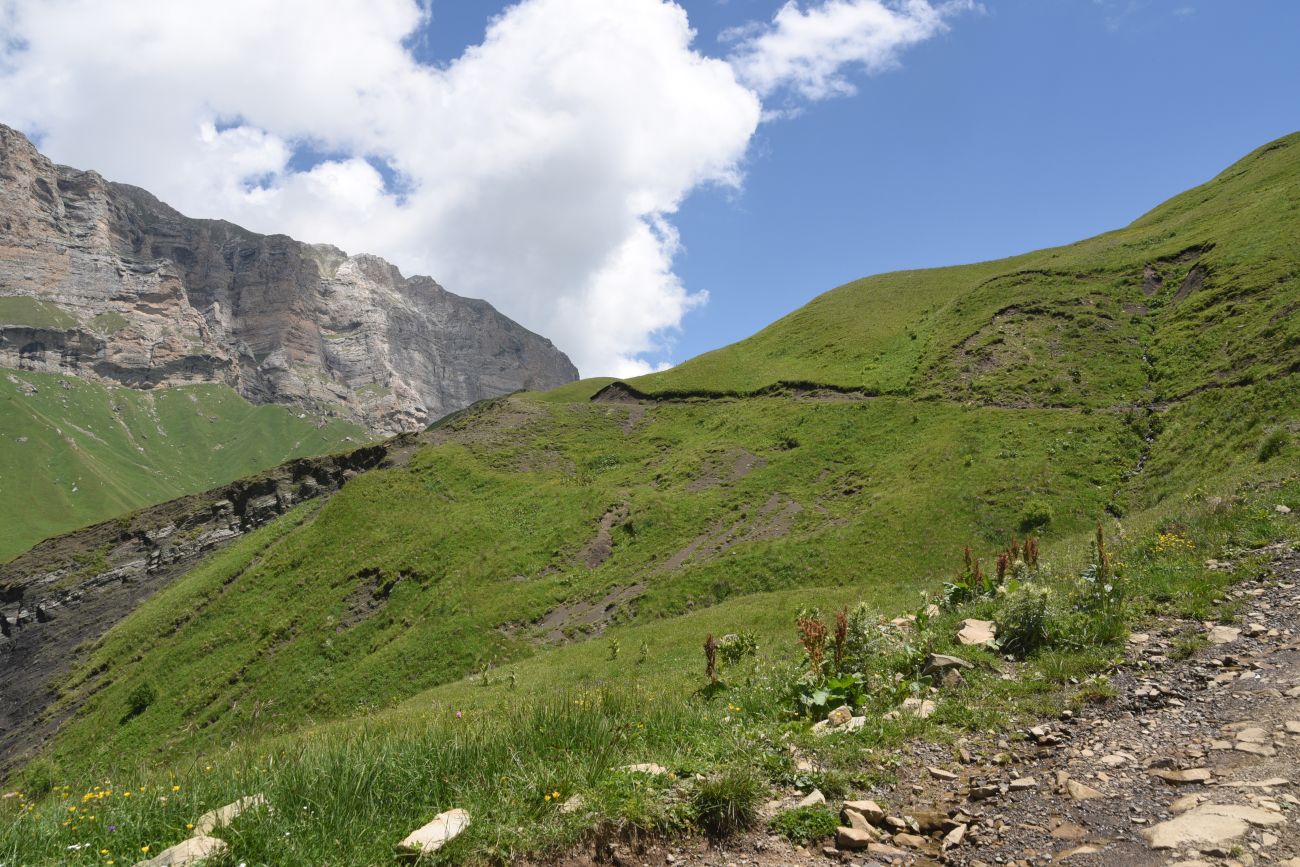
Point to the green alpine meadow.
(78, 452)
(627, 609)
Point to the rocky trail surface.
(1195, 761)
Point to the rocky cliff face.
(104, 281)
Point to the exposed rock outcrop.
(105, 281)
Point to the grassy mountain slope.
(847, 453)
(1200, 291)
(1036, 393)
(76, 452)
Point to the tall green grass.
(345, 793)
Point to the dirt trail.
(1195, 762)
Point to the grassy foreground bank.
(515, 750)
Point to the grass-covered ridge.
(76, 452)
(1200, 291)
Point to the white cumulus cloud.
(811, 51)
(539, 170)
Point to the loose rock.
(853, 838)
(977, 632)
(1184, 778)
(1079, 792)
(433, 836)
(1209, 825)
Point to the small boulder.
(1079, 792)
(870, 809)
(433, 836)
(1223, 634)
(854, 819)
(853, 838)
(647, 768)
(977, 632)
(1023, 784)
(941, 774)
(840, 716)
(1282, 509)
(937, 663)
(912, 841)
(953, 838)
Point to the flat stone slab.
(977, 632)
(1184, 778)
(1079, 792)
(1223, 634)
(433, 836)
(647, 768)
(223, 816)
(1254, 735)
(937, 663)
(1209, 825)
(195, 850)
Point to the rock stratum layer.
(104, 281)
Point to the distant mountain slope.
(105, 281)
(859, 442)
(1199, 292)
(74, 452)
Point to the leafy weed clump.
(1027, 620)
(804, 825)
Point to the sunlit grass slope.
(76, 452)
(1109, 380)
(1201, 290)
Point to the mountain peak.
(123, 289)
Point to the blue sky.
(1038, 122)
(599, 211)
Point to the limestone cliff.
(105, 281)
